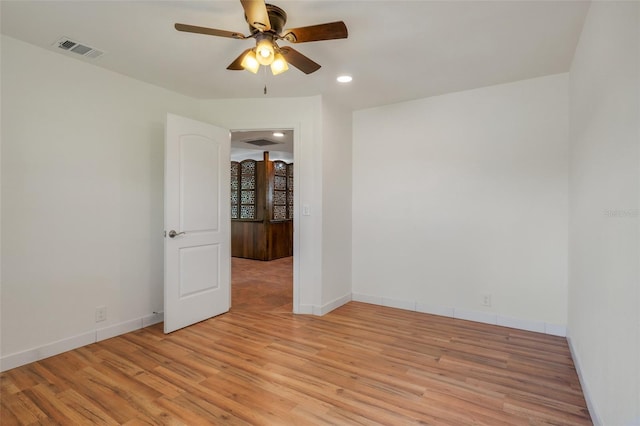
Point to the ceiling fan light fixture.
(250, 62)
(265, 52)
(266, 23)
(279, 64)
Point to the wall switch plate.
(306, 211)
(486, 300)
(101, 313)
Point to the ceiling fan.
(266, 23)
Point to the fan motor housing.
(277, 19)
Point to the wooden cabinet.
(261, 209)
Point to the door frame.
(239, 127)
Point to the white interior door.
(197, 244)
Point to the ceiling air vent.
(262, 142)
(78, 48)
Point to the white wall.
(304, 116)
(604, 278)
(82, 203)
(336, 201)
(82, 206)
(462, 195)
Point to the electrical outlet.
(101, 313)
(486, 300)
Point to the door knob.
(173, 234)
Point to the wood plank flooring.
(360, 364)
(262, 286)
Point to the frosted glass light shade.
(264, 52)
(279, 64)
(250, 63)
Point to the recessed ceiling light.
(278, 134)
(344, 79)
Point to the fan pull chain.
(264, 78)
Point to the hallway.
(262, 286)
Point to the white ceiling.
(396, 50)
(242, 149)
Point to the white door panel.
(198, 269)
(198, 256)
(198, 183)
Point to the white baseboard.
(25, 357)
(305, 309)
(477, 316)
(483, 317)
(118, 329)
(8, 362)
(555, 329)
(537, 326)
(407, 305)
(591, 406)
(328, 307)
(152, 319)
(434, 310)
(324, 309)
(18, 359)
(365, 298)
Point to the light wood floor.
(262, 286)
(360, 364)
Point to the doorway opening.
(262, 218)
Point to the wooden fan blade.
(256, 13)
(235, 65)
(330, 31)
(298, 60)
(208, 31)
